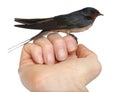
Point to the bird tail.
(31, 21)
(44, 24)
(18, 45)
(28, 40)
(31, 26)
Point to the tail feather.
(36, 26)
(31, 21)
(18, 45)
(29, 26)
(44, 24)
(28, 40)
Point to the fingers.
(47, 50)
(71, 43)
(56, 48)
(60, 48)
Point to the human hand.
(75, 67)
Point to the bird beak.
(101, 14)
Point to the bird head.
(91, 12)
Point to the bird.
(77, 21)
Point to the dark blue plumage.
(77, 19)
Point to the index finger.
(31, 54)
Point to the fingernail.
(50, 59)
(71, 43)
(40, 59)
(71, 46)
(61, 54)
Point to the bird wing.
(72, 20)
(44, 24)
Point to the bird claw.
(74, 37)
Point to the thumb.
(91, 66)
(83, 51)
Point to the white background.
(103, 38)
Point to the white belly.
(74, 29)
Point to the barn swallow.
(77, 21)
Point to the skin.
(57, 64)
